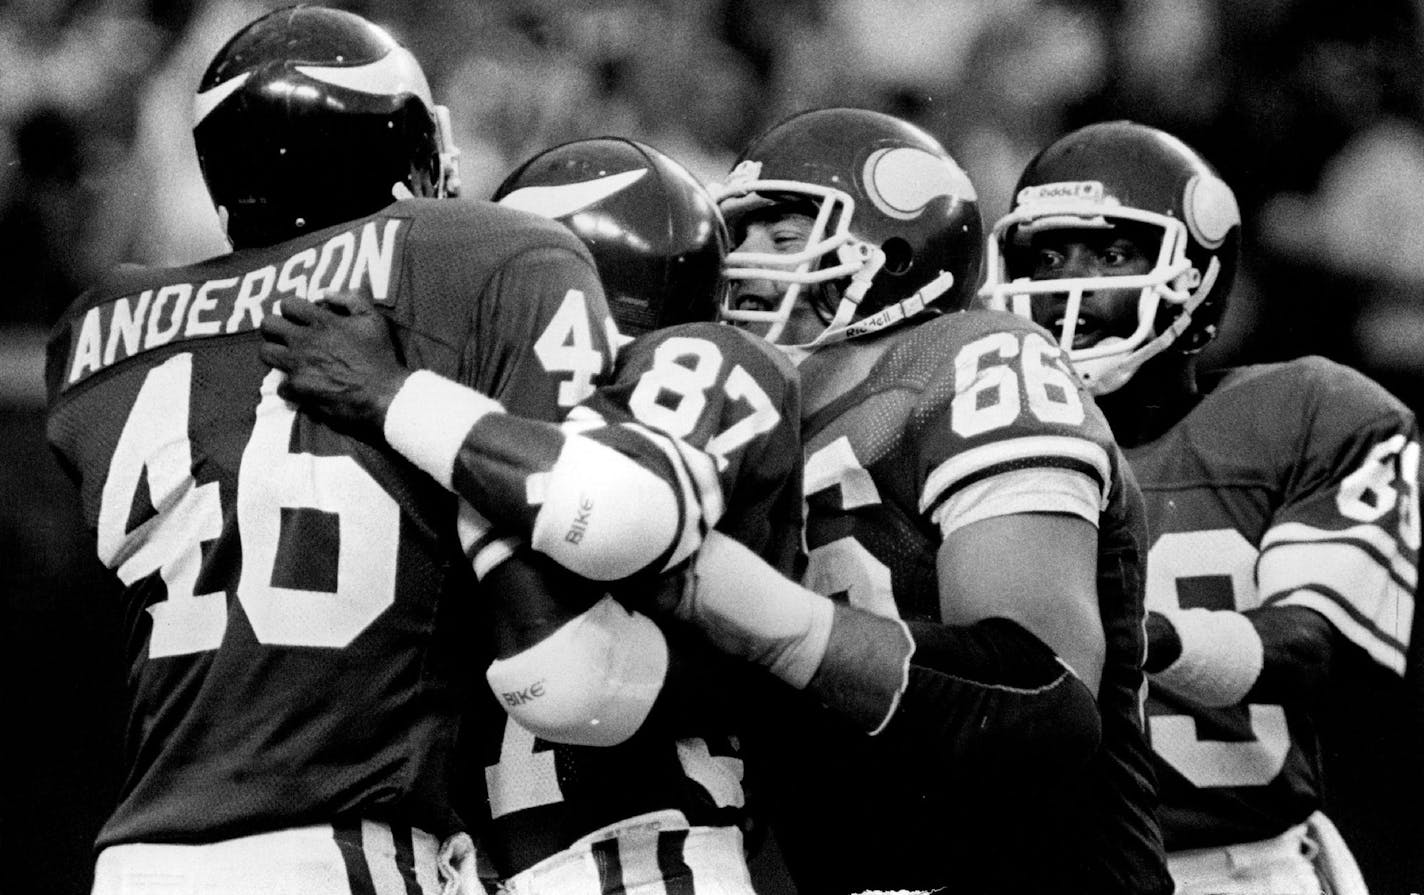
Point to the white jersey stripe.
(1037, 490)
(699, 489)
(1386, 654)
(482, 550)
(1401, 566)
(1021, 451)
(1347, 570)
(492, 554)
(389, 862)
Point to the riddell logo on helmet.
(1066, 191)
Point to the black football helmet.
(656, 236)
(309, 117)
(1121, 171)
(897, 220)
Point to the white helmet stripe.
(394, 73)
(206, 101)
(565, 199)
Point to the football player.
(665, 807)
(958, 478)
(295, 598)
(647, 806)
(1283, 499)
(572, 818)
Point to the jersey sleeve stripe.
(1347, 575)
(483, 548)
(1058, 451)
(698, 489)
(1360, 631)
(1033, 490)
(492, 554)
(1370, 538)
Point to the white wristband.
(1222, 656)
(429, 418)
(750, 610)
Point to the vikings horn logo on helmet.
(393, 74)
(564, 199)
(1211, 210)
(902, 180)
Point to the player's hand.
(1164, 645)
(340, 360)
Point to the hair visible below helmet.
(1110, 173)
(656, 236)
(895, 215)
(309, 117)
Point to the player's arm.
(987, 692)
(579, 669)
(1276, 654)
(1036, 569)
(606, 503)
(572, 665)
(575, 665)
(1338, 566)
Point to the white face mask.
(854, 259)
(1109, 363)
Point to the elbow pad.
(992, 697)
(602, 515)
(590, 683)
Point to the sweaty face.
(781, 230)
(1121, 250)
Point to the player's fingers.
(274, 355)
(277, 329)
(350, 303)
(284, 390)
(299, 310)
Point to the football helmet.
(656, 236)
(897, 225)
(1113, 172)
(309, 117)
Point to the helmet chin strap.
(841, 328)
(1104, 375)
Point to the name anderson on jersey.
(360, 259)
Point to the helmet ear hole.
(899, 257)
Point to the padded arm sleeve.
(604, 503)
(992, 697)
(1299, 647)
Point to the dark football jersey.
(965, 417)
(735, 397)
(1287, 484)
(295, 598)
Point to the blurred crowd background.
(1312, 109)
